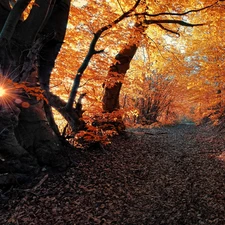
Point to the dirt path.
(170, 176)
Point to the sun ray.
(14, 94)
(7, 92)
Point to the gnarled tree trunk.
(28, 51)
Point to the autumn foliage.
(177, 71)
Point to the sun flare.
(2, 91)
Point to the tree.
(29, 48)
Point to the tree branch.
(166, 29)
(175, 14)
(120, 6)
(182, 23)
(73, 117)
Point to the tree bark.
(36, 136)
(55, 26)
(4, 12)
(117, 71)
(13, 157)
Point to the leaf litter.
(170, 175)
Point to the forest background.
(176, 72)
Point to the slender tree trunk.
(118, 70)
(116, 74)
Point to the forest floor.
(170, 175)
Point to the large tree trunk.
(26, 138)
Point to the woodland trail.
(171, 176)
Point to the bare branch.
(182, 23)
(73, 117)
(175, 14)
(120, 5)
(166, 29)
(99, 51)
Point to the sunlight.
(79, 4)
(7, 92)
(175, 43)
(2, 91)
